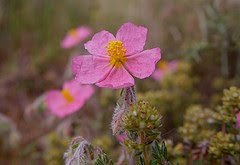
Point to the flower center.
(67, 95)
(73, 33)
(162, 65)
(117, 53)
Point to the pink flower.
(75, 36)
(69, 100)
(238, 120)
(164, 68)
(114, 60)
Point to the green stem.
(190, 160)
(235, 132)
(222, 161)
(224, 131)
(145, 155)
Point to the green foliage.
(56, 146)
(175, 152)
(133, 145)
(104, 142)
(182, 79)
(223, 144)
(231, 99)
(230, 106)
(9, 135)
(197, 122)
(142, 123)
(159, 154)
(102, 159)
(176, 93)
(142, 116)
(201, 129)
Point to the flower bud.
(142, 116)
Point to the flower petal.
(86, 91)
(133, 37)
(89, 69)
(117, 78)
(54, 99)
(142, 65)
(173, 65)
(83, 32)
(80, 93)
(58, 106)
(97, 45)
(158, 74)
(69, 108)
(78, 90)
(69, 41)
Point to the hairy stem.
(145, 155)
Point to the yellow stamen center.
(162, 65)
(67, 95)
(73, 33)
(117, 53)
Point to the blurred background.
(203, 35)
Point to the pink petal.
(78, 90)
(83, 32)
(97, 45)
(67, 109)
(72, 86)
(142, 65)
(59, 106)
(70, 41)
(87, 91)
(133, 37)
(173, 65)
(117, 78)
(158, 74)
(54, 99)
(89, 69)
(70, 108)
